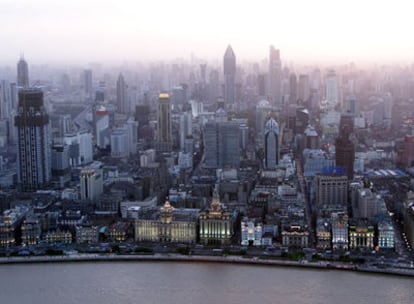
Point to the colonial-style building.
(216, 225)
(295, 236)
(172, 225)
(361, 236)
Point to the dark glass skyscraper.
(22, 73)
(33, 139)
(229, 64)
(344, 147)
(164, 133)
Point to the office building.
(271, 147)
(33, 132)
(293, 89)
(275, 76)
(344, 147)
(332, 89)
(340, 239)
(251, 232)
(122, 96)
(263, 111)
(22, 73)
(91, 183)
(170, 226)
(216, 225)
(87, 85)
(221, 144)
(229, 65)
(164, 133)
(331, 189)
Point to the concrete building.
(222, 144)
(170, 226)
(331, 189)
(271, 142)
(22, 73)
(361, 236)
(122, 95)
(34, 145)
(295, 236)
(80, 148)
(323, 234)
(229, 68)
(386, 235)
(275, 76)
(251, 232)
(216, 225)
(340, 238)
(91, 184)
(164, 133)
(119, 143)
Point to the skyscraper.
(22, 73)
(229, 64)
(221, 144)
(344, 147)
(275, 71)
(293, 89)
(122, 95)
(87, 83)
(332, 90)
(271, 144)
(303, 88)
(34, 151)
(164, 133)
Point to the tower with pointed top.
(22, 73)
(229, 66)
(122, 95)
(216, 225)
(271, 144)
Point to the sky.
(306, 31)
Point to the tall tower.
(122, 95)
(275, 71)
(293, 88)
(22, 73)
(164, 135)
(271, 144)
(229, 64)
(344, 147)
(87, 83)
(34, 151)
(332, 89)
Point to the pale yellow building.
(172, 225)
(216, 225)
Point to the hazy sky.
(311, 31)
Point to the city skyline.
(315, 32)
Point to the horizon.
(124, 31)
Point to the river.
(168, 282)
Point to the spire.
(215, 203)
(229, 52)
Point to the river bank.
(204, 259)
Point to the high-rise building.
(229, 64)
(331, 189)
(293, 89)
(186, 126)
(303, 88)
(91, 184)
(275, 76)
(22, 73)
(34, 150)
(86, 81)
(332, 89)
(221, 144)
(271, 144)
(164, 133)
(263, 110)
(344, 147)
(122, 95)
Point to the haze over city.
(311, 32)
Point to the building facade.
(34, 146)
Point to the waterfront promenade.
(204, 259)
